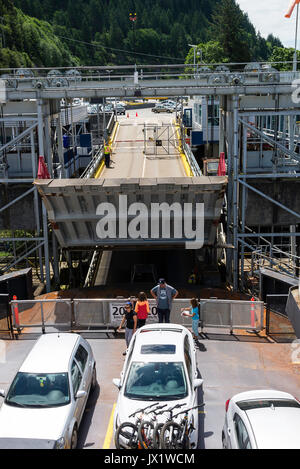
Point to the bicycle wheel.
(171, 436)
(126, 436)
(156, 435)
(145, 434)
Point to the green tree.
(228, 28)
(207, 53)
(164, 28)
(282, 54)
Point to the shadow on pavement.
(87, 419)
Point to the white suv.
(161, 367)
(46, 400)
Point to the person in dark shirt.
(130, 319)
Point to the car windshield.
(39, 390)
(157, 380)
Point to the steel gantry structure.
(249, 95)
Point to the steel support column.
(60, 151)
(229, 146)
(40, 127)
(46, 249)
(243, 201)
(235, 192)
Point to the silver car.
(161, 108)
(45, 403)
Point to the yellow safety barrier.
(113, 135)
(99, 170)
(184, 160)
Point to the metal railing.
(71, 315)
(276, 307)
(6, 326)
(196, 171)
(63, 76)
(92, 167)
(94, 264)
(232, 315)
(278, 258)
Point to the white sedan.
(44, 405)
(160, 367)
(263, 419)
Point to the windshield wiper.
(172, 398)
(16, 404)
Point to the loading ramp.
(73, 204)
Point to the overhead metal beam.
(282, 112)
(272, 176)
(265, 235)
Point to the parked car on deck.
(120, 109)
(172, 106)
(262, 419)
(108, 108)
(161, 108)
(160, 367)
(45, 402)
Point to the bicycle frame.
(182, 430)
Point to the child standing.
(130, 321)
(194, 314)
(142, 309)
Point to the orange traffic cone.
(252, 312)
(16, 313)
(136, 115)
(127, 115)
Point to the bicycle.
(146, 429)
(159, 426)
(126, 436)
(176, 435)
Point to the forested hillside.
(28, 42)
(99, 32)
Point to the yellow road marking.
(110, 430)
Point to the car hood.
(17, 422)
(126, 407)
(26, 443)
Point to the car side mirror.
(81, 394)
(117, 382)
(198, 383)
(2, 393)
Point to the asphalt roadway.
(228, 365)
(131, 159)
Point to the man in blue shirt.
(164, 295)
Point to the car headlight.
(60, 444)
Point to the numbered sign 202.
(117, 311)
